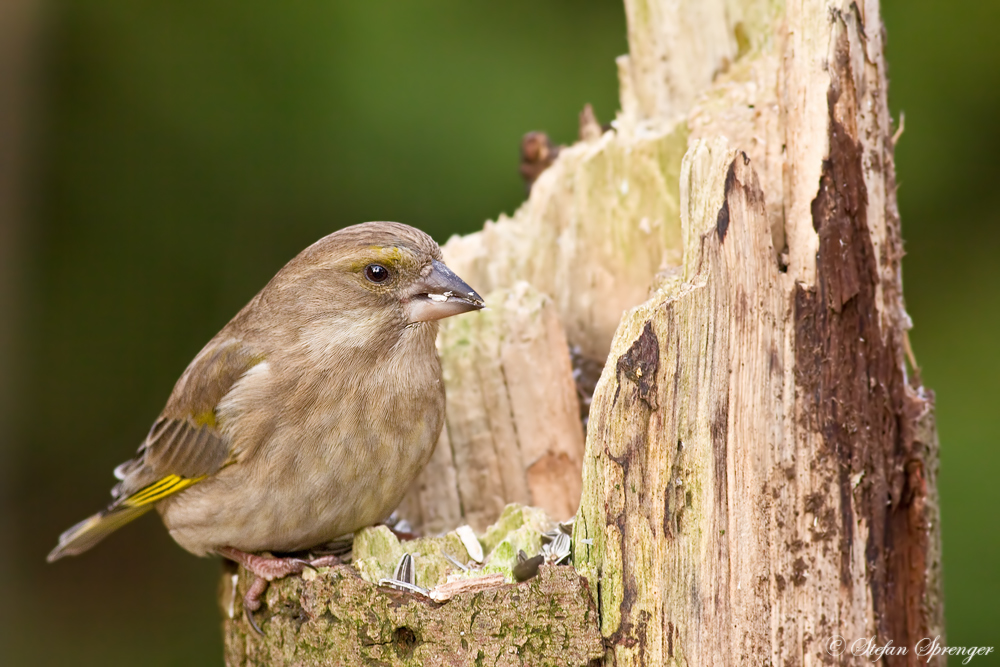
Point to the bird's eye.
(376, 273)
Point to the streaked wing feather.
(185, 441)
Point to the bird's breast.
(325, 455)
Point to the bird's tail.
(93, 529)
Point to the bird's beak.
(440, 294)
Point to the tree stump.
(338, 619)
(760, 462)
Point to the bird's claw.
(251, 601)
(304, 563)
(252, 621)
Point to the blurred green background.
(182, 151)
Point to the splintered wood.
(738, 442)
(599, 225)
(679, 474)
(513, 430)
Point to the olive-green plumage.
(310, 413)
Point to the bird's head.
(371, 278)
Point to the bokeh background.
(161, 160)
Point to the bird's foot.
(266, 570)
(265, 567)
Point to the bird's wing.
(183, 447)
(185, 442)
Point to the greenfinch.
(308, 416)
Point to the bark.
(760, 461)
(340, 619)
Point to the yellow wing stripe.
(153, 488)
(159, 490)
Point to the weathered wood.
(513, 431)
(598, 226)
(741, 451)
(680, 481)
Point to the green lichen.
(503, 557)
(376, 553)
(430, 557)
(513, 518)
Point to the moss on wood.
(338, 618)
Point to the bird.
(307, 416)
